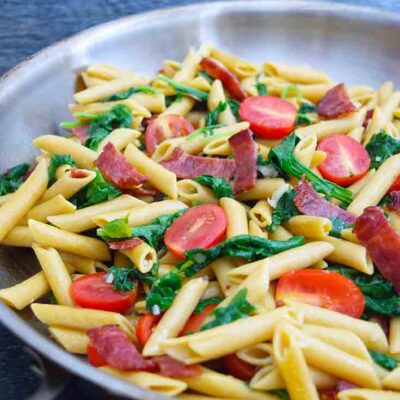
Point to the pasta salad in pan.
(223, 230)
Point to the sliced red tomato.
(196, 320)
(92, 291)
(347, 160)
(238, 368)
(270, 117)
(201, 227)
(146, 326)
(396, 185)
(320, 288)
(165, 127)
(94, 357)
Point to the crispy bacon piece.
(395, 204)
(81, 132)
(367, 118)
(78, 173)
(382, 243)
(245, 156)
(115, 169)
(175, 369)
(141, 191)
(186, 166)
(309, 202)
(125, 244)
(335, 103)
(229, 80)
(331, 394)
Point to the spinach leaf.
(286, 162)
(304, 109)
(237, 308)
(127, 93)
(206, 302)
(13, 178)
(381, 147)
(219, 186)
(338, 224)
(182, 89)
(285, 209)
(234, 105)
(119, 116)
(133, 274)
(116, 229)
(205, 131)
(262, 89)
(383, 360)
(206, 76)
(212, 116)
(56, 161)
(281, 393)
(122, 278)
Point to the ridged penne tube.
(147, 380)
(26, 292)
(385, 91)
(377, 122)
(196, 117)
(305, 149)
(72, 340)
(82, 265)
(5, 198)
(334, 361)
(357, 133)
(394, 335)
(81, 319)
(61, 170)
(259, 354)
(316, 227)
(182, 107)
(19, 236)
(212, 290)
(280, 233)
(263, 189)
(192, 192)
(298, 258)
(313, 93)
(107, 72)
(54, 206)
(175, 318)
(216, 384)
(392, 380)
(189, 66)
(165, 149)
(349, 235)
(372, 193)
(90, 81)
(292, 365)
(255, 230)
(241, 68)
(83, 156)
(216, 96)
(80, 245)
(340, 126)
(218, 147)
(367, 394)
(68, 185)
(82, 219)
(56, 274)
(171, 67)
(221, 267)
(154, 103)
(296, 73)
(261, 214)
(356, 187)
(120, 138)
(211, 344)
(143, 256)
(158, 176)
(369, 332)
(249, 85)
(391, 103)
(362, 94)
(236, 217)
(23, 199)
(190, 396)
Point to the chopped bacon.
(78, 173)
(81, 132)
(146, 121)
(113, 165)
(382, 243)
(229, 80)
(125, 244)
(309, 202)
(331, 393)
(367, 118)
(175, 369)
(187, 166)
(335, 103)
(245, 155)
(395, 204)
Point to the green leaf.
(381, 147)
(122, 278)
(116, 229)
(234, 105)
(182, 89)
(71, 124)
(13, 178)
(291, 88)
(237, 308)
(383, 360)
(206, 76)
(338, 224)
(286, 162)
(56, 161)
(206, 302)
(281, 393)
(285, 209)
(219, 186)
(262, 89)
(127, 93)
(306, 108)
(212, 116)
(206, 131)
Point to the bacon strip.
(175, 369)
(309, 202)
(229, 80)
(81, 132)
(245, 155)
(186, 166)
(115, 169)
(335, 103)
(125, 244)
(395, 204)
(382, 243)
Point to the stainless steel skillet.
(355, 45)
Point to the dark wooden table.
(27, 26)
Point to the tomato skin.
(195, 322)
(321, 288)
(201, 227)
(395, 186)
(270, 117)
(347, 160)
(94, 357)
(92, 291)
(146, 326)
(238, 368)
(165, 127)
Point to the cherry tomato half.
(92, 291)
(270, 117)
(201, 227)
(94, 357)
(347, 160)
(165, 127)
(195, 322)
(238, 368)
(323, 289)
(395, 186)
(145, 327)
